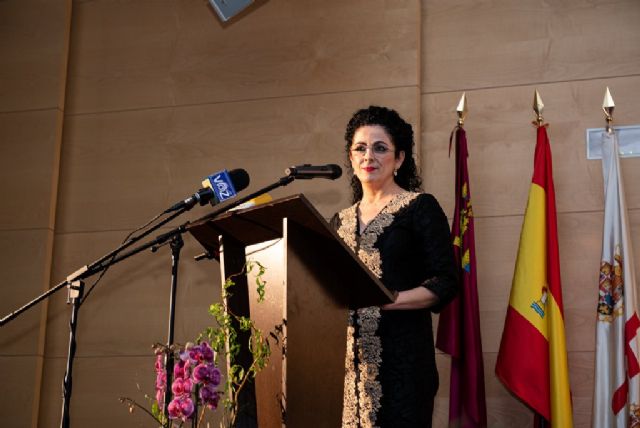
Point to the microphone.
(218, 187)
(330, 171)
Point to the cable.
(124, 241)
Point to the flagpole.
(538, 420)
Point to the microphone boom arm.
(99, 265)
(91, 269)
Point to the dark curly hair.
(401, 135)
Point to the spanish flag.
(532, 361)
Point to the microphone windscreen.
(226, 184)
(240, 178)
(336, 171)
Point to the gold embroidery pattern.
(349, 404)
(347, 229)
(369, 357)
(368, 344)
(371, 259)
(370, 255)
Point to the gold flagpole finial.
(607, 106)
(462, 109)
(538, 105)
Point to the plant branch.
(133, 404)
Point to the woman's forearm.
(415, 298)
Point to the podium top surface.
(264, 222)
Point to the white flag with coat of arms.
(617, 377)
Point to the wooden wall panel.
(178, 53)
(19, 377)
(33, 47)
(502, 143)
(29, 156)
(478, 44)
(131, 165)
(33, 56)
(25, 265)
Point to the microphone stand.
(76, 286)
(176, 245)
(76, 292)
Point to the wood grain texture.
(25, 266)
(34, 40)
(33, 54)
(18, 378)
(122, 168)
(178, 53)
(502, 142)
(29, 166)
(470, 44)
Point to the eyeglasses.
(378, 149)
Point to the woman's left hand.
(415, 298)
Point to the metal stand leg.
(76, 290)
(176, 245)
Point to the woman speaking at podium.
(403, 237)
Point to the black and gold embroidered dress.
(391, 377)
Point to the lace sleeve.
(439, 273)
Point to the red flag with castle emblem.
(459, 322)
(532, 361)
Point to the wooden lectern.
(312, 280)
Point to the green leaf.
(245, 323)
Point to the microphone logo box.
(221, 185)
